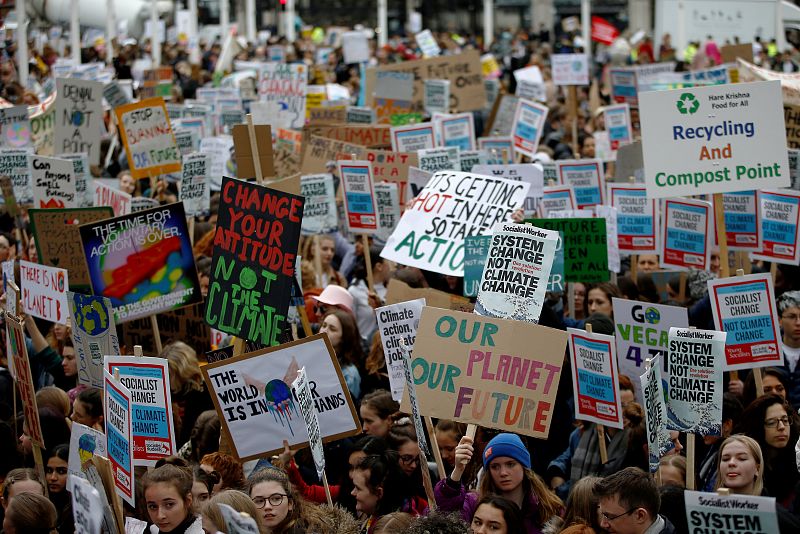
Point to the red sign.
(603, 31)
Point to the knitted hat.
(506, 445)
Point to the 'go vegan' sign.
(716, 139)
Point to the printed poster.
(84, 443)
(398, 324)
(637, 218)
(359, 196)
(659, 442)
(780, 220)
(319, 210)
(119, 437)
(707, 512)
(685, 241)
(557, 198)
(526, 128)
(195, 190)
(15, 127)
(587, 179)
(742, 220)
(595, 378)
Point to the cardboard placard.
(474, 373)
(53, 183)
(452, 205)
(245, 167)
(24, 379)
(186, 324)
(321, 154)
(151, 403)
(256, 241)
(392, 167)
(397, 291)
(467, 92)
(255, 404)
(744, 307)
(595, 378)
(142, 262)
(79, 117)
(44, 291)
(148, 138)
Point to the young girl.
(496, 515)
(30, 513)
(168, 494)
(56, 472)
(343, 334)
(381, 488)
(88, 409)
(376, 413)
(508, 474)
(281, 509)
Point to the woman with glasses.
(167, 494)
(55, 472)
(281, 509)
(772, 423)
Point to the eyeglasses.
(274, 500)
(408, 459)
(772, 423)
(791, 317)
(60, 470)
(605, 517)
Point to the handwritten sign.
(79, 117)
(148, 138)
(283, 86)
(44, 291)
(24, 379)
(53, 183)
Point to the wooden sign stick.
(601, 429)
(722, 236)
(437, 454)
(156, 333)
(251, 134)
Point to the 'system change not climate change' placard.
(717, 139)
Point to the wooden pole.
(471, 429)
(301, 310)
(722, 236)
(37, 458)
(251, 134)
(759, 378)
(682, 287)
(437, 454)
(327, 488)
(156, 333)
(601, 430)
(571, 299)
(367, 262)
(690, 449)
(191, 230)
(572, 103)
(634, 267)
(773, 271)
(426, 482)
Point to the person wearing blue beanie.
(508, 474)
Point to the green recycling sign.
(687, 103)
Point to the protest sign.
(530, 83)
(195, 193)
(359, 196)
(119, 201)
(119, 436)
(143, 203)
(80, 165)
(87, 507)
(305, 401)
(467, 92)
(142, 262)
(387, 203)
(397, 291)
(319, 209)
(391, 85)
(476, 249)
(694, 395)
(468, 159)
(642, 332)
(94, 334)
(151, 403)
(360, 115)
(618, 125)
(514, 280)
(84, 443)
(638, 218)
(742, 220)
(114, 95)
(585, 247)
(685, 240)
(187, 140)
(255, 245)
(413, 137)
(392, 167)
(148, 138)
(715, 139)
(58, 240)
(452, 205)
(255, 404)
(557, 198)
(586, 178)
(437, 96)
(44, 291)
(610, 215)
(711, 512)
(79, 117)
(15, 127)
(780, 220)
(15, 163)
(791, 117)
(427, 43)
(744, 307)
(499, 147)
(24, 379)
(472, 369)
(186, 324)
(526, 128)
(457, 130)
(397, 324)
(283, 87)
(659, 442)
(53, 183)
(355, 47)
(570, 69)
(595, 378)
(439, 159)
(9, 200)
(321, 154)
(518, 171)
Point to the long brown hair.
(302, 515)
(549, 503)
(349, 351)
